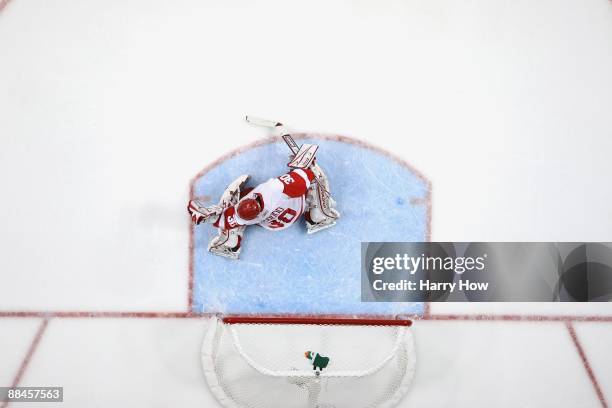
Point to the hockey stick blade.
(261, 122)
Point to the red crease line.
(427, 200)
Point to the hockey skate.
(227, 244)
(328, 222)
(226, 252)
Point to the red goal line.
(310, 319)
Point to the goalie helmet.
(248, 209)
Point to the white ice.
(109, 108)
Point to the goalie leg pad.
(304, 158)
(321, 212)
(321, 196)
(228, 243)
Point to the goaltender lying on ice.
(275, 205)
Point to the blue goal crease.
(290, 272)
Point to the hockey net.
(261, 362)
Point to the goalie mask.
(249, 208)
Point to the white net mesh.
(264, 365)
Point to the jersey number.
(283, 218)
(286, 178)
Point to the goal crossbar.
(347, 321)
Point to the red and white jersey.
(283, 200)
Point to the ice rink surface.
(108, 109)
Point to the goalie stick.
(262, 122)
(324, 194)
(272, 124)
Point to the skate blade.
(319, 228)
(229, 255)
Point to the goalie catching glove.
(200, 213)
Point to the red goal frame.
(314, 320)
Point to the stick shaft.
(291, 143)
(273, 124)
(261, 122)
